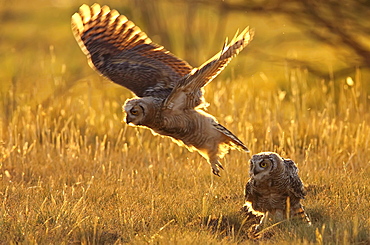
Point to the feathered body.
(169, 91)
(188, 127)
(274, 187)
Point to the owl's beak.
(254, 170)
(128, 120)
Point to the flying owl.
(169, 92)
(274, 188)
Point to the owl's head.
(140, 111)
(264, 163)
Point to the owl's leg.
(211, 151)
(215, 165)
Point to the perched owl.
(169, 91)
(274, 188)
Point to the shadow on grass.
(104, 237)
(239, 226)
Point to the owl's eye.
(263, 164)
(134, 111)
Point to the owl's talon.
(216, 172)
(253, 232)
(215, 168)
(257, 228)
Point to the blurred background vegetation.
(326, 39)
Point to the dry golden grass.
(71, 172)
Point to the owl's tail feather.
(237, 142)
(302, 214)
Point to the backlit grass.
(71, 172)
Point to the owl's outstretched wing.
(119, 50)
(248, 191)
(187, 92)
(296, 185)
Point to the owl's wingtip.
(244, 148)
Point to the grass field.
(71, 172)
